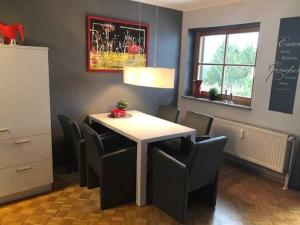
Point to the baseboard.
(26, 194)
(255, 168)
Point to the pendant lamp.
(155, 77)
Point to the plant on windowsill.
(213, 94)
(120, 110)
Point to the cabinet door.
(25, 177)
(25, 150)
(24, 92)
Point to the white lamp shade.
(149, 77)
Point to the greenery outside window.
(225, 59)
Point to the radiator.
(260, 146)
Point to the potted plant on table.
(213, 94)
(120, 110)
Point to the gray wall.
(61, 26)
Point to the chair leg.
(118, 179)
(207, 193)
(92, 178)
(70, 159)
(71, 167)
(212, 190)
(169, 186)
(82, 169)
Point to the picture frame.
(113, 44)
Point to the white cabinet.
(23, 178)
(25, 126)
(24, 150)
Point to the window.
(225, 59)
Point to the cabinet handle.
(22, 141)
(3, 130)
(23, 169)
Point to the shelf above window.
(218, 103)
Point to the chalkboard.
(286, 67)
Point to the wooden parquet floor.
(244, 199)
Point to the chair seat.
(171, 147)
(183, 158)
(200, 122)
(174, 146)
(101, 130)
(116, 142)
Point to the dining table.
(143, 129)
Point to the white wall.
(268, 12)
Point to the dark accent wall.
(61, 26)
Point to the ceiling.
(187, 5)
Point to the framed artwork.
(113, 44)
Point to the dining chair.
(74, 146)
(111, 163)
(169, 113)
(99, 128)
(192, 173)
(199, 121)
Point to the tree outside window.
(226, 60)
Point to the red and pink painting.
(113, 44)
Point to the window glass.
(238, 80)
(211, 76)
(212, 49)
(241, 48)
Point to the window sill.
(218, 103)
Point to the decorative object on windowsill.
(226, 96)
(149, 76)
(230, 98)
(213, 94)
(231, 95)
(9, 33)
(197, 92)
(120, 110)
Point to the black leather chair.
(201, 122)
(169, 113)
(74, 146)
(195, 171)
(111, 163)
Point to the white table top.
(139, 126)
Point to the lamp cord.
(155, 40)
(140, 19)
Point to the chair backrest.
(204, 161)
(169, 113)
(200, 122)
(93, 143)
(72, 133)
(93, 147)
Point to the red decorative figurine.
(9, 32)
(197, 92)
